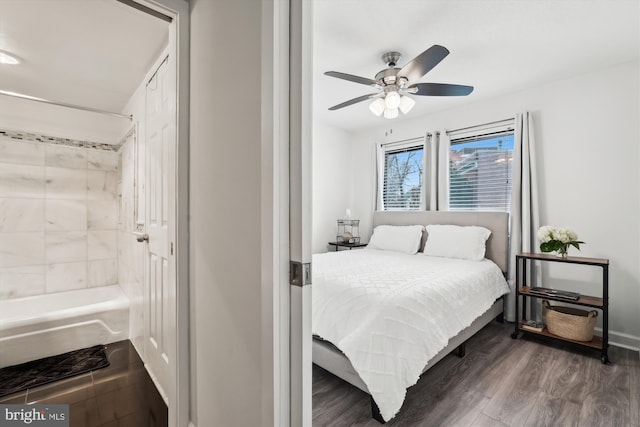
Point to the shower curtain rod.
(62, 104)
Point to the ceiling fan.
(396, 84)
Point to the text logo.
(34, 415)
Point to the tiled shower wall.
(58, 217)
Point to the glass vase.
(562, 252)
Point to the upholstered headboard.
(497, 249)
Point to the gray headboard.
(498, 222)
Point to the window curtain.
(379, 200)
(442, 188)
(437, 167)
(525, 219)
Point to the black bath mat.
(42, 371)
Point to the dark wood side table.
(523, 291)
(339, 245)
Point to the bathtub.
(46, 325)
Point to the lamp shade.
(377, 106)
(392, 100)
(390, 113)
(406, 104)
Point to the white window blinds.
(402, 187)
(480, 172)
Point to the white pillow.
(401, 238)
(454, 241)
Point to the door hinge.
(299, 273)
(171, 248)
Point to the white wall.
(225, 212)
(587, 137)
(36, 117)
(333, 163)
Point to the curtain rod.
(402, 141)
(483, 124)
(62, 104)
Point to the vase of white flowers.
(557, 239)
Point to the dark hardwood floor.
(501, 382)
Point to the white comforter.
(389, 312)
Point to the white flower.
(547, 233)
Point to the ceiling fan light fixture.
(377, 106)
(406, 104)
(390, 113)
(392, 100)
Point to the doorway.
(166, 298)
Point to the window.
(480, 172)
(402, 187)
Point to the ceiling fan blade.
(355, 101)
(423, 63)
(351, 78)
(439, 89)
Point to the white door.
(300, 136)
(160, 281)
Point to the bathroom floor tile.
(70, 390)
(85, 413)
(120, 395)
(14, 398)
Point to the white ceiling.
(92, 53)
(96, 52)
(497, 46)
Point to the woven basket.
(569, 322)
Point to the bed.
(381, 318)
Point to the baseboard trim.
(620, 339)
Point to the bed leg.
(375, 411)
(500, 318)
(461, 350)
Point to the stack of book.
(532, 325)
(572, 296)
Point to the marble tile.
(102, 272)
(55, 140)
(21, 181)
(102, 245)
(21, 249)
(66, 276)
(65, 157)
(21, 152)
(63, 183)
(102, 214)
(102, 160)
(21, 215)
(101, 185)
(17, 282)
(65, 215)
(65, 246)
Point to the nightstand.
(339, 245)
